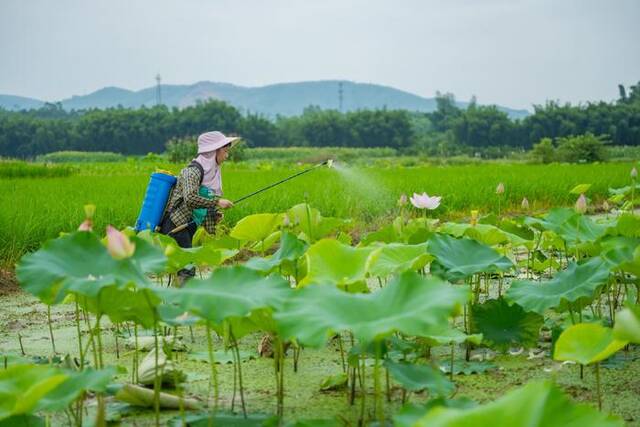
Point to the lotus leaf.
(410, 304)
(571, 226)
(539, 403)
(461, 258)
(291, 248)
(570, 285)
(256, 227)
(25, 389)
(586, 343)
(627, 326)
(331, 262)
(80, 263)
(229, 292)
(503, 325)
(396, 258)
(420, 377)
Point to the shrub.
(585, 148)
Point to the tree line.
(28, 133)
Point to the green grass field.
(34, 209)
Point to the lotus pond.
(492, 320)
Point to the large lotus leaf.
(618, 251)
(461, 258)
(291, 248)
(307, 220)
(586, 343)
(410, 413)
(537, 404)
(570, 225)
(448, 335)
(420, 377)
(398, 257)
(77, 382)
(503, 325)
(127, 303)
(410, 304)
(386, 234)
(576, 282)
(28, 388)
(202, 256)
(627, 225)
(79, 262)
(334, 263)
(229, 292)
(483, 233)
(23, 421)
(256, 227)
(627, 326)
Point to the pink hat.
(211, 141)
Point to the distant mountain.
(286, 99)
(10, 102)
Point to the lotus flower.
(634, 173)
(87, 224)
(402, 200)
(423, 201)
(118, 244)
(500, 188)
(525, 204)
(581, 204)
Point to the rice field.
(37, 207)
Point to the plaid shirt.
(185, 198)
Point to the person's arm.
(191, 189)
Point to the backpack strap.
(198, 166)
(193, 164)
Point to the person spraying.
(196, 198)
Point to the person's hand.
(225, 204)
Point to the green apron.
(199, 214)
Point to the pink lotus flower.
(118, 244)
(423, 201)
(581, 204)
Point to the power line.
(158, 89)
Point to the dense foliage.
(446, 131)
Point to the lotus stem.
(281, 372)
(344, 366)
(156, 379)
(388, 384)
(135, 354)
(598, 386)
(79, 332)
(236, 353)
(214, 373)
(377, 401)
(53, 341)
(451, 361)
(309, 222)
(363, 391)
(20, 342)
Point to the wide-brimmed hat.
(211, 141)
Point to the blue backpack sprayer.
(159, 190)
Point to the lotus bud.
(402, 200)
(525, 204)
(286, 221)
(89, 211)
(87, 225)
(500, 188)
(581, 204)
(118, 244)
(605, 206)
(169, 250)
(634, 173)
(474, 217)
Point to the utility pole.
(158, 89)
(340, 92)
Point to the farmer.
(197, 196)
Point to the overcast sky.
(510, 52)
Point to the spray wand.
(329, 163)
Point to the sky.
(514, 53)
